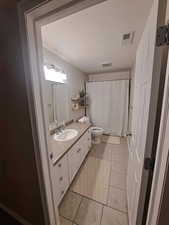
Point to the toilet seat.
(97, 130)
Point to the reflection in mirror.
(57, 94)
(54, 74)
(61, 103)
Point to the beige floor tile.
(123, 141)
(93, 179)
(89, 213)
(119, 166)
(117, 199)
(102, 151)
(64, 221)
(70, 205)
(113, 217)
(111, 139)
(119, 156)
(117, 179)
(120, 148)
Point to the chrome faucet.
(63, 125)
(61, 128)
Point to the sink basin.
(66, 135)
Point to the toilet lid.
(96, 129)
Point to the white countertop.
(60, 148)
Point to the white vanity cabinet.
(66, 168)
(60, 179)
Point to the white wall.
(121, 75)
(75, 80)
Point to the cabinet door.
(84, 144)
(89, 139)
(74, 159)
(78, 153)
(60, 179)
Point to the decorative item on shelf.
(75, 99)
(84, 119)
(75, 106)
(80, 100)
(82, 93)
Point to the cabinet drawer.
(60, 178)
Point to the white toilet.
(97, 133)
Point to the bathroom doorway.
(141, 91)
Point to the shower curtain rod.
(91, 81)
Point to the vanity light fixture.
(54, 74)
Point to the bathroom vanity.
(68, 157)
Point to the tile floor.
(98, 194)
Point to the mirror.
(57, 102)
(57, 94)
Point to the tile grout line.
(101, 215)
(101, 203)
(66, 219)
(117, 209)
(77, 210)
(121, 189)
(83, 196)
(109, 180)
(74, 222)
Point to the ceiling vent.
(105, 65)
(127, 38)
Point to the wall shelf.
(79, 99)
(79, 103)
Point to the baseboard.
(128, 143)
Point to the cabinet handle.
(78, 150)
(61, 178)
(59, 165)
(51, 155)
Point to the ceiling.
(94, 35)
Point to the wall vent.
(127, 39)
(107, 65)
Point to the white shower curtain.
(109, 105)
